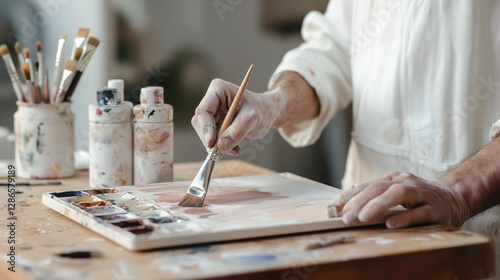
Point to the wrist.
(297, 100)
(460, 208)
(277, 113)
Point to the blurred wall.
(182, 45)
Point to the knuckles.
(399, 176)
(217, 85)
(399, 190)
(195, 121)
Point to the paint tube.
(153, 138)
(110, 140)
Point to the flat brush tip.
(82, 32)
(70, 65)
(26, 52)
(38, 46)
(17, 47)
(25, 69)
(190, 200)
(63, 36)
(4, 49)
(93, 41)
(78, 54)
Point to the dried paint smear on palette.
(147, 217)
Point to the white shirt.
(423, 78)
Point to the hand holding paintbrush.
(197, 191)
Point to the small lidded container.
(153, 138)
(110, 140)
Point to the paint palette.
(148, 217)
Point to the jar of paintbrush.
(45, 141)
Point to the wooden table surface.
(426, 252)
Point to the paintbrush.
(38, 89)
(90, 48)
(46, 88)
(81, 35)
(39, 78)
(11, 69)
(27, 60)
(58, 67)
(31, 183)
(20, 57)
(25, 70)
(197, 191)
(67, 76)
(81, 255)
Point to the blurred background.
(181, 45)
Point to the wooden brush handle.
(228, 119)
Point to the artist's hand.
(427, 201)
(254, 118)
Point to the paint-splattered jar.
(110, 141)
(153, 138)
(45, 140)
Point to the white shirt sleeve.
(495, 130)
(324, 62)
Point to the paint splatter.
(265, 259)
(199, 250)
(39, 136)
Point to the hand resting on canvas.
(426, 201)
(472, 187)
(291, 100)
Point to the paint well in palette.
(104, 210)
(157, 216)
(68, 194)
(127, 203)
(93, 204)
(83, 198)
(141, 229)
(102, 191)
(118, 217)
(128, 223)
(140, 208)
(111, 197)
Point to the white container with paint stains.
(45, 140)
(110, 140)
(153, 138)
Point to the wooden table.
(426, 252)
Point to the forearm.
(299, 100)
(478, 178)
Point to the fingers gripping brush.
(197, 191)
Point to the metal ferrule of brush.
(214, 154)
(60, 48)
(14, 77)
(84, 60)
(199, 186)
